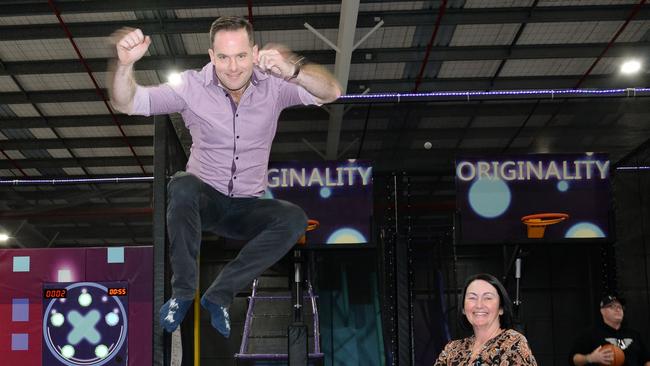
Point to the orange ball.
(619, 356)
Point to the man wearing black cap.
(588, 350)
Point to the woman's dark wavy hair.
(504, 301)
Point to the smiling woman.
(488, 312)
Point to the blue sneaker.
(220, 319)
(173, 312)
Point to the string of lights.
(16, 182)
(482, 95)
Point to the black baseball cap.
(608, 299)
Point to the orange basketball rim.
(537, 223)
(311, 225)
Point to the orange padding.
(544, 219)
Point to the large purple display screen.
(495, 192)
(338, 194)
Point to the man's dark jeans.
(270, 226)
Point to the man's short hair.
(231, 23)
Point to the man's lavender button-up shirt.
(230, 143)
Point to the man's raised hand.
(276, 59)
(131, 45)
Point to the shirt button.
(236, 157)
(237, 136)
(237, 115)
(231, 195)
(234, 177)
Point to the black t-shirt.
(627, 339)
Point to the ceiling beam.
(360, 56)
(71, 191)
(475, 133)
(345, 43)
(433, 159)
(425, 17)
(88, 212)
(448, 155)
(357, 112)
(70, 163)
(74, 143)
(52, 96)
(431, 134)
(12, 7)
(436, 158)
(72, 121)
(445, 157)
(432, 109)
(377, 86)
(101, 233)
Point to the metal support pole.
(297, 278)
(297, 338)
(159, 236)
(402, 289)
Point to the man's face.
(233, 58)
(612, 313)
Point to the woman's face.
(482, 305)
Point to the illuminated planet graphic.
(584, 230)
(325, 192)
(268, 195)
(346, 236)
(562, 186)
(489, 198)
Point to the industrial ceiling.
(56, 121)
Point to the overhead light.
(631, 67)
(174, 78)
(3, 237)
